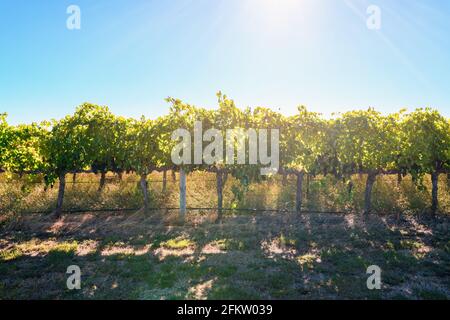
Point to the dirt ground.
(263, 256)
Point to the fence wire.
(189, 209)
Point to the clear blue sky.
(130, 55)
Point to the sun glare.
(280, 15)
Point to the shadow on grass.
(283, 256)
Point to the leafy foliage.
(425, 142)
(362, 141)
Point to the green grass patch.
(400, 260)
(430, 294)
(307, 261)
(11, 254)
(233, 292)
(410, 244)
(230, 244)
(288, 241)
(177, 244)
(63, 251)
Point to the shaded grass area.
(266, 256)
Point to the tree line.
(367, 142)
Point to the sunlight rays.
(279, 15)
(402, 57)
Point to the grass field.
(264, 256)
(132, 255)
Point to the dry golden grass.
(19, 195)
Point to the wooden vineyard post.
(219, 175)
(182, 195)
(102, 180)
(434, 192)
(144, 188)
(371, 178)
(164, 182)
(61, 190)
(298, 197)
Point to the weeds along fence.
(320, 194)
